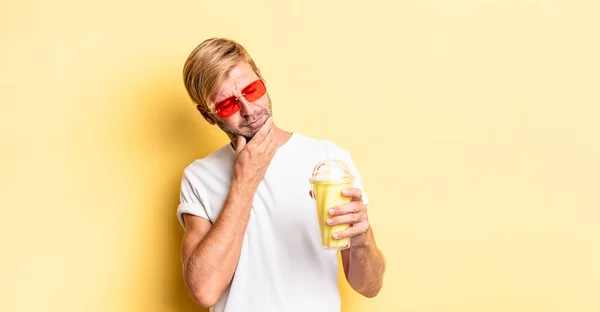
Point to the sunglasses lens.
(254, 91)
(227, 108)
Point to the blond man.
(251, 241)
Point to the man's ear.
(206, 115)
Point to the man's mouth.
(253, 123)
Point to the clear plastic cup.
(329, 178)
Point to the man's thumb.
(239, 144)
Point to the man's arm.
(364, 263)
(210, 253)
(364, 266)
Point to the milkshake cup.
(329, 178)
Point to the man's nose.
(246, 108)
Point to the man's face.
(251, 115)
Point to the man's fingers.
(357, 229)
(352, 207)
(355, 194)
(266, 131)
(268, 139)
(350, 218)
(265, 127)
(263, 132)
(269, 121)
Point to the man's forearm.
(366, 267)
(212, 264)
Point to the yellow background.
(475, 125)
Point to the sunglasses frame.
(236, 99)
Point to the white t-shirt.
(282, 266)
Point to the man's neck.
(282, 136)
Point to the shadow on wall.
(191, 138)
(179, 136)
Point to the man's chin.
(249, 136)
(234, 135)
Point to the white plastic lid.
(334, 171)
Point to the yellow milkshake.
(328, 180)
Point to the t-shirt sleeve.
(190, 199)
(358, 183)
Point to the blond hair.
(208, 66)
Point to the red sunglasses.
(231, 105)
